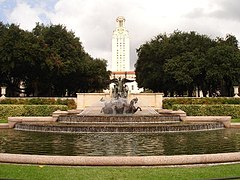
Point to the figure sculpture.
(120, 89)
(118, 103)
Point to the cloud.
(25, 16)
(27, 13)
(229, 10)
(218, 18)
(221, 9)
(94, 20)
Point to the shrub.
(209, 110)
(70, 103)
(10, 110)
(169, 102)
(42, 110)
(28, 110)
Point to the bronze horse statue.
(120, 106)
(130, 108)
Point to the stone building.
(120, 47)
(121, 56)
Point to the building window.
(132, 87)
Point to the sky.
(93, 21)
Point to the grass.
(9, 171)
(235, 120)
(3, 120)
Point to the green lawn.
(235, 120)
(8, 171)
(3, 120)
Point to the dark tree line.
(180, 63)
(48, 61)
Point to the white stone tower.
(120, 47)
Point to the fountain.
(118, 116)
(120, 132)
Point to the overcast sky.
(93, 21)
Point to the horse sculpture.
(131, 109)
(120, 106)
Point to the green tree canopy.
(182, 62)
(50, 60)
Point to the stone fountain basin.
(106, 127)
(77, 123)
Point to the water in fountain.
(116, 144)
(146, 110)
(94, 109)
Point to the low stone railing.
(226, 120)
(12, 121)
(153, 100)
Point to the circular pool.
(120, 144)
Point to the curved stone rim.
(129, 128)
(120, 160)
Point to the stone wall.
(153, 100)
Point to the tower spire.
(120, 22)
(120, 47)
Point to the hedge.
(169, 102)
(7, 110)
(70, 103)
(209, 110)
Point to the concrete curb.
(120, 160)
(4, 126)
(226, 120)
(30, 119)
(235, 125)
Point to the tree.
(182, 61)
(96, 76)
(187, 67)
(163, 63)
(50, 60)
(63, 54)
(14, 55)
(223, 68)
(149, 66)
